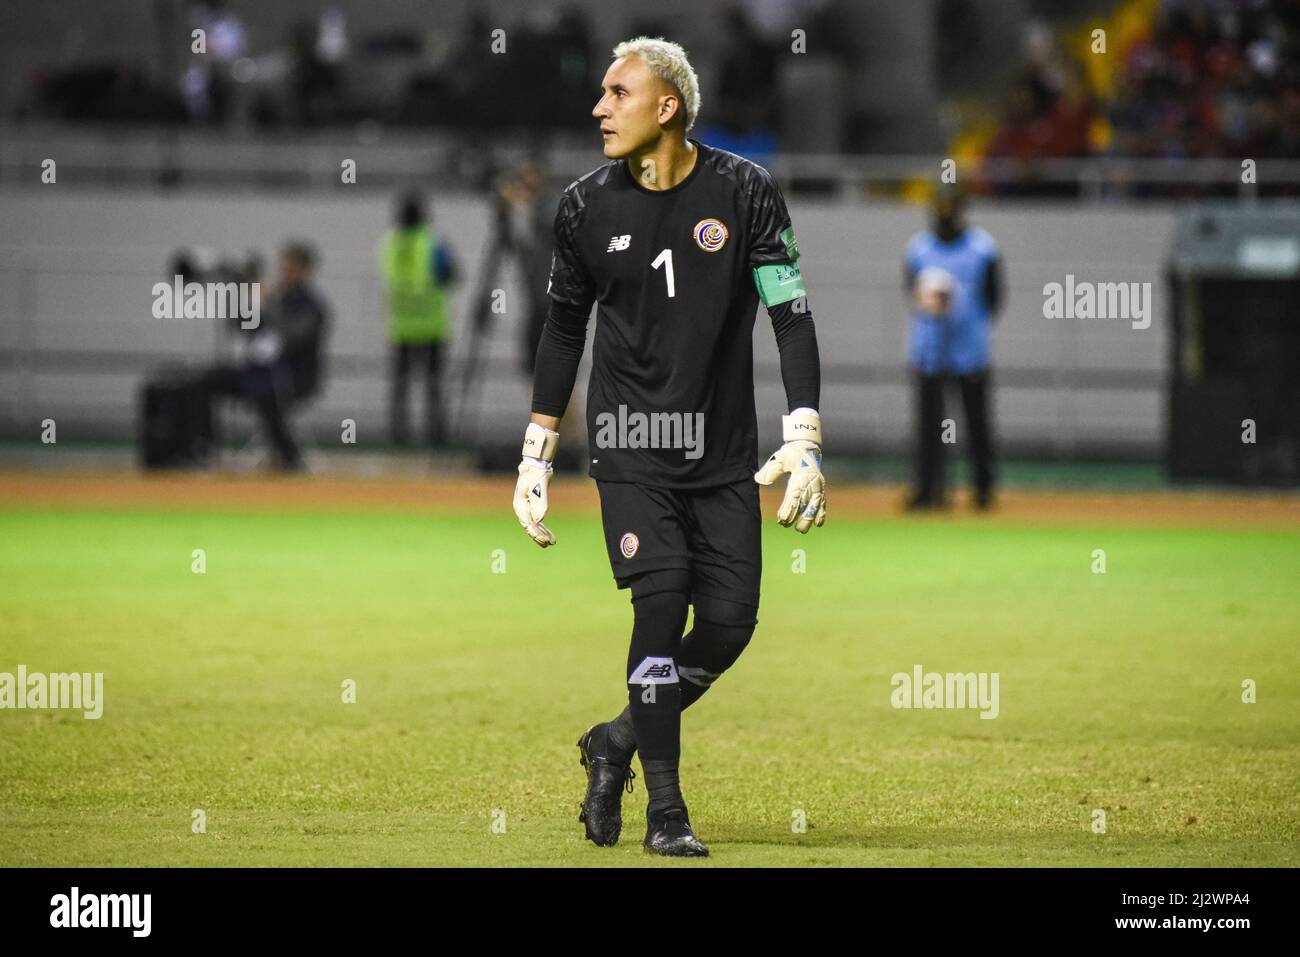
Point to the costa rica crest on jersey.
(710, 234)
(628, 544)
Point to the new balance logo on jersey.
(619, 243)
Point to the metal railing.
(187, 158)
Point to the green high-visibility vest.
(417, 307)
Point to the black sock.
(622, 733)
(622, 739)
(654, 694)
(662, 785)
(708, 649)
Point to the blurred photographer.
(284, 355)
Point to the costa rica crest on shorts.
(710, 234)
(628, 544)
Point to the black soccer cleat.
(602, 808)
(669, 833)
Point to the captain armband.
(778, 283)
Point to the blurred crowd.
(1199, 78)
(1210, 78)
(320, 74)
(1215, 78)
(1049, 110)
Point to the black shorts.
(714, 533)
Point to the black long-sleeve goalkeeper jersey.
(677, 275)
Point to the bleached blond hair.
(667, 60)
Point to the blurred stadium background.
(1123, 689)
(1080, 162)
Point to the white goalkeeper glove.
(801, 455)
(534, 478)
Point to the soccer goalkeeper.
(677, 242)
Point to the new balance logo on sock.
(655, 671)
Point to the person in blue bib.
(952, 276)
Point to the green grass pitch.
(1119, 692)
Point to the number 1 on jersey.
(665, 258)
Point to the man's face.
(630, 106)
(292, 271)
(532, 179)
(948, 218)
